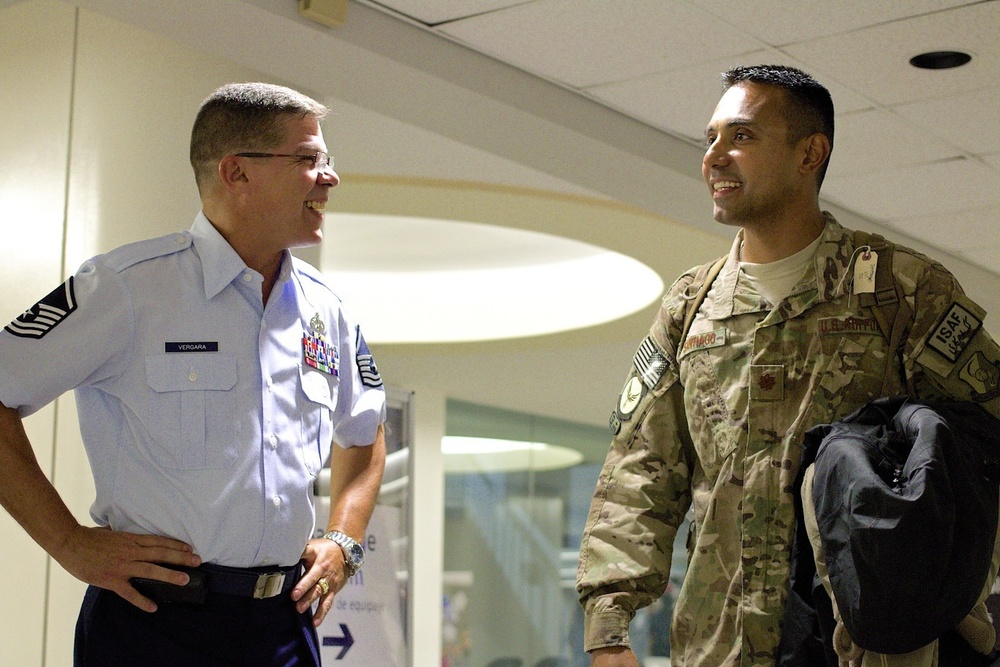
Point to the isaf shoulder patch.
(366, 364)
(45, 315)
(954, 332)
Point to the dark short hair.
(243, 117)
(810, 108)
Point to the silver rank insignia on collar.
(317, 351)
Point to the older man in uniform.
(782, 342)
(213, 371)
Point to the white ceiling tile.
(588, 42)
(779, 22)
(956, 231)
(987, 257)
(923, 190)
(875, 61)
(969, 120)
(681, 101)
(872, 141)
(432, 12)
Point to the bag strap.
(891, 310)
(692, 308)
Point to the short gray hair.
(243, 117)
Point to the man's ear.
(231, 173)
(817, 152)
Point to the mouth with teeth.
(718, 186)
(316, 205)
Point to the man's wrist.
(354, 554)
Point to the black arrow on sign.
(345, 643)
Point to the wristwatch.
(354, 555)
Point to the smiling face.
(751, 169)
(290, 193)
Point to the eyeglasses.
(320, 160)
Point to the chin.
(722, 218)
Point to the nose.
(715, 156)
(328, 176)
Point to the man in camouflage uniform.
(715, 421)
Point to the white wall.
(35, 78)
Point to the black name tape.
(191, 347)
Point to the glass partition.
(517, 492)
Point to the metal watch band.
(354, 555)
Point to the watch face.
(357, 554)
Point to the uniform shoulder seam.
(129, 255)
(309, 272)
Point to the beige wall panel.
(136, 97)
(76, 486)
(36, 64)
(36, 49)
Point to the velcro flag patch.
(46, 314)
(650, 361)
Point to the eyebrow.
(734, 122)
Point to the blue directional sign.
(345, 641)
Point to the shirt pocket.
(318, 401)
(715, 427)
(194, 410)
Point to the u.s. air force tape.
(45, 315)
(650, 362)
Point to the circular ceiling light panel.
(421, 280)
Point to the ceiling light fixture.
(421, 280)
(468, 454)
(940, 59)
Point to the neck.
(763, 244)
(254, 251)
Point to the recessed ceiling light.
(940, 59)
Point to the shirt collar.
(220, 263)
(832, 261)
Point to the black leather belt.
(255, 582)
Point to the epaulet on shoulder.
(314, 276)
(131, 254)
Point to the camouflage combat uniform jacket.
(716, 424)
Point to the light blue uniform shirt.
(205, 414)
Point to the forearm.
(26, 493)
(615, 656)
(355, 480)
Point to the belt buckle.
(268, 585)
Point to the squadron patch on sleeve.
(614, 423)
(954, 333)
(366, 364)
(632, 393)
(983, 376)
(45, 315)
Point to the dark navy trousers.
(226, 631)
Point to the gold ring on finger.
(324, 586)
